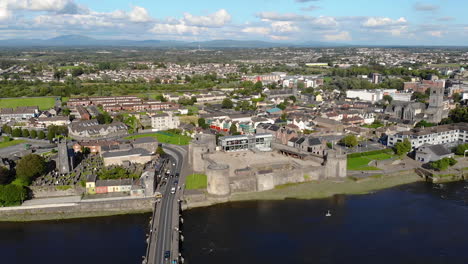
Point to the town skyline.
(294, 21)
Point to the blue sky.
(395, 22)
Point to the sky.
(362, 22)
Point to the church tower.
(435, 111)
(436, 98)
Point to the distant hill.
(81, 41)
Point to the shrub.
(442, 164)
(12, 194)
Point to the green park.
(44, 103)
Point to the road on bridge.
(163, 234)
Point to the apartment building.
(164, 121)
(445, 134)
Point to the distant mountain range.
(83, 41)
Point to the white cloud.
(325, 21)
(4, 12)
(374, 22)
(284, 26)
(139, 14)
(176, 29)
(274, 16)
(217, 19)
(75, 21)
(60, 6)
(257, 30)
(437, 34)
(274, 37)
(341, 36)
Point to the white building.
(445, 134)
(370, 95)
(164, 121)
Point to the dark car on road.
(167, 254)
(177, 175)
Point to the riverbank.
(77, 210)
(316, 189)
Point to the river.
(416, 223)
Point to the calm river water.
(417, 223)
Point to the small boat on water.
(328, 213)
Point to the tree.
(77, 71)
(16, 132)
(25, 133)
(233, 129)
(258, 85)
(115, 173)
(6, 129)
(202, 123)
(66, 111)
(104, 118)
(460, 149)
(5, 175)
(402, 148)
(442, 164)
(160, 151)
(29, 167)
(33, 134)
(59, 75)
(41, 135)
(293, 98)
(457, 115)
(227, 103)
(12, 194)
(349, 141)
(456, 97)
(387, 98)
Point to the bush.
(442, 164)
(29, 167)
(349, 141)
(460, 149)
(12, 194)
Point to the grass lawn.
(165, 137)
(193, 109)
(44, 103)
(360, 163)
(11, 143)
(196, 181)
(373, 125)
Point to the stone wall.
(54, 191)
(243, 184)
(83, 209)
(218, 179)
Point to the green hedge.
(369, 153)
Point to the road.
(165, 216)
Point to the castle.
(256, 170)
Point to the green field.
(44, 103)
(360, 163)
(373, 126)
(165, 137)
(11, 143)
(196, 181)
